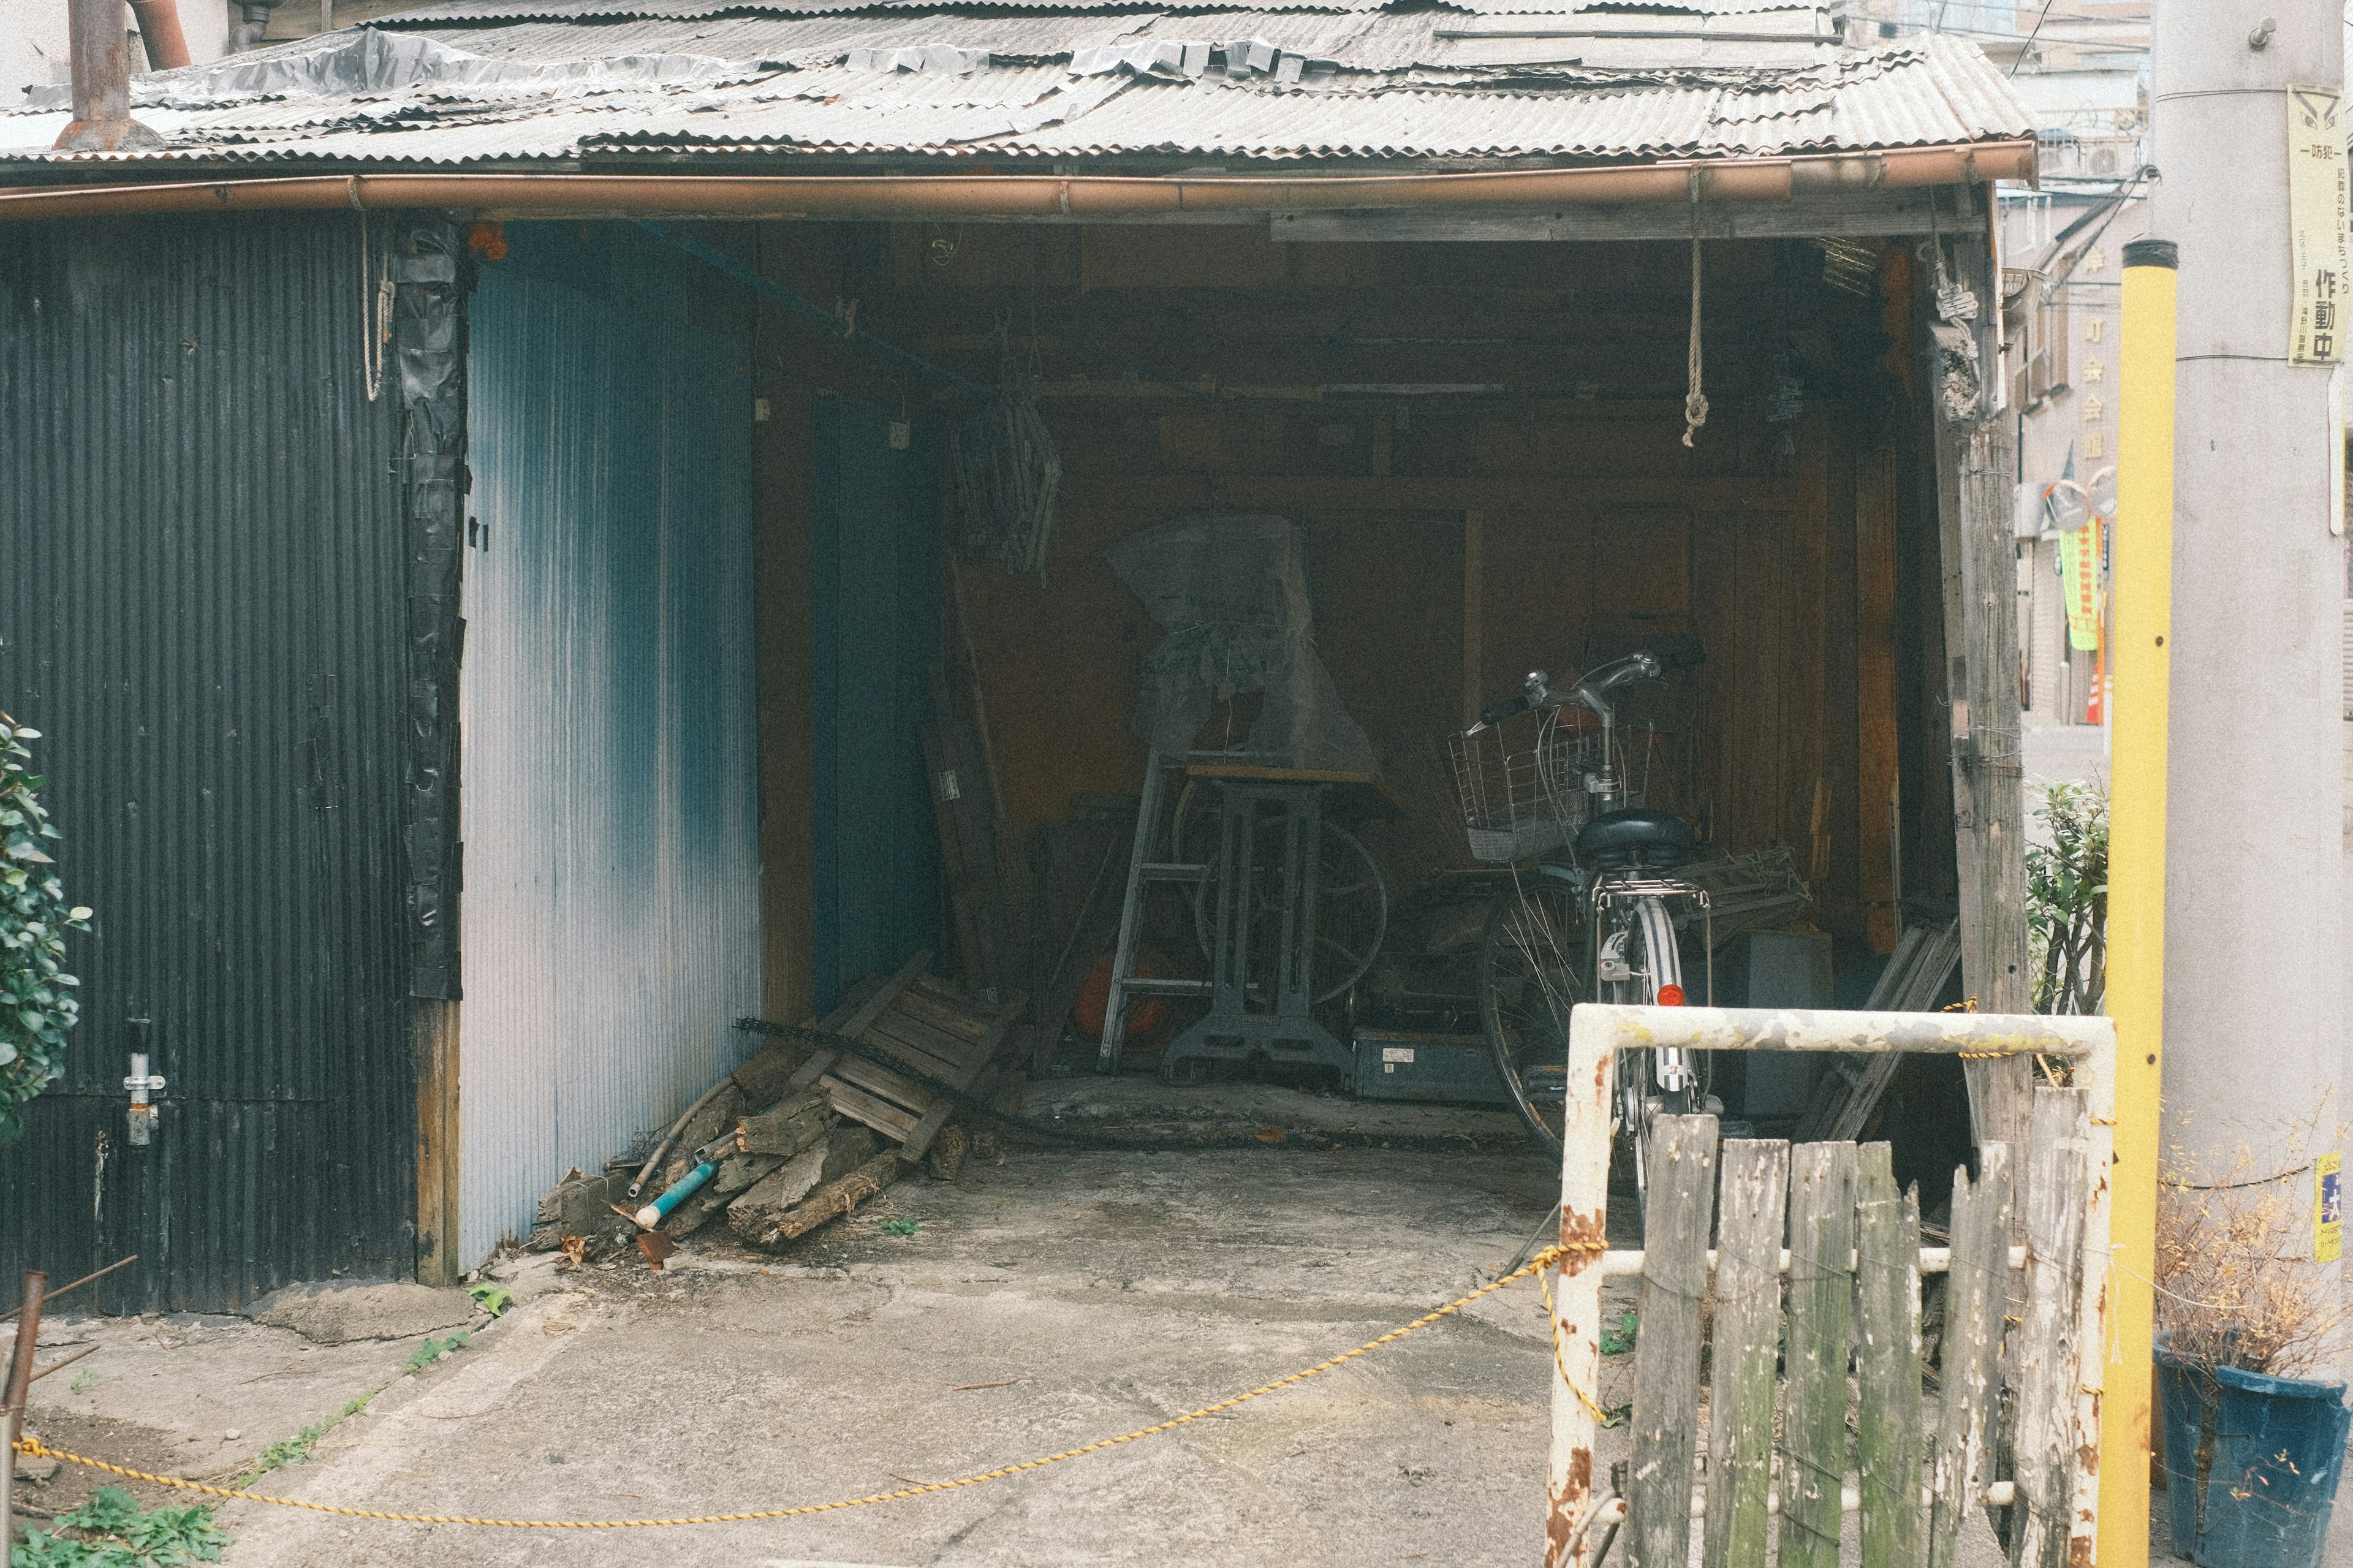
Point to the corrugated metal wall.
(611, 913)
(201, 606)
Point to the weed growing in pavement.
(899, 1226)
(112, 1531)
(1620, 1340)
(297, 1450)
(492, 1299)
(433, 1350)
(294, 1450)
(84, 1382)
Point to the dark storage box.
(1400, 1064)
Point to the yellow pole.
(2142, 584)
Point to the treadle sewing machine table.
(1258, 804)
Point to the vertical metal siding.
(610, 933)
(201, 606)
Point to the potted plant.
(2254, 1441)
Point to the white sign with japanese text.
(2318, 213)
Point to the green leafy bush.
(112, 1531)
(2067, 900)
(36, 1001)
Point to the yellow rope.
(31, 1448)
(1552, 1322)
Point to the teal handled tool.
(685, 1187)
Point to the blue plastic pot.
(2251, 1464)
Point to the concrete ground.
(1041, 1303)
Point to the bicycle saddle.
(1635, 840)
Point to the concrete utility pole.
(2256, 959)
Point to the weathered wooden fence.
(1812, 1262)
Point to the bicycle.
(1591, 913)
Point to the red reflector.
(1671, 995)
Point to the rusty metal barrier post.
(1598, 1033)
(12, 1404)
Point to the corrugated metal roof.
(1369, 86)
(452, 11)
(804, 41)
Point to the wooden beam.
(1976, 461)
(1473, 580)
(1877, 747)
(433, 1036)
(1302, 493)
(1854, 216)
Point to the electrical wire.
(2028, 47)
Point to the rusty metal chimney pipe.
(159, 30)
(101, 81)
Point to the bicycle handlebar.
(1642, 664)
(1506, 709)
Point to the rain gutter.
(566, 194)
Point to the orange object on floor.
(1145, 1018)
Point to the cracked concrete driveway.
(1042, 1304)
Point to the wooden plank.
(1354, 794)
(880, 1081)
(1002, 1025)
(1805, 650)
(1715, 614)
(1752, 1219)
(1666, 1373)
(1822, 1293)
(919, 1137)
(1857, 216)
(1474, 700)
(1842, 896)
(433, 1035)
(945, 1019)
(907, 974)
(973, 955)
(2058, 1196)
(1887, 1363)
(1875, 685)
(880, 1115)
(1976, 1294)
(904, 1035)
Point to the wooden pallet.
(929, 1024)
(1924, 959)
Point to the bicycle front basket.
(1519, 802)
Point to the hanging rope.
(375, 312)
(1696, 401)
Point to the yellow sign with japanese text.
(2328, 1208)
(2319, 207)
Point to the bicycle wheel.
(1531, 973)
